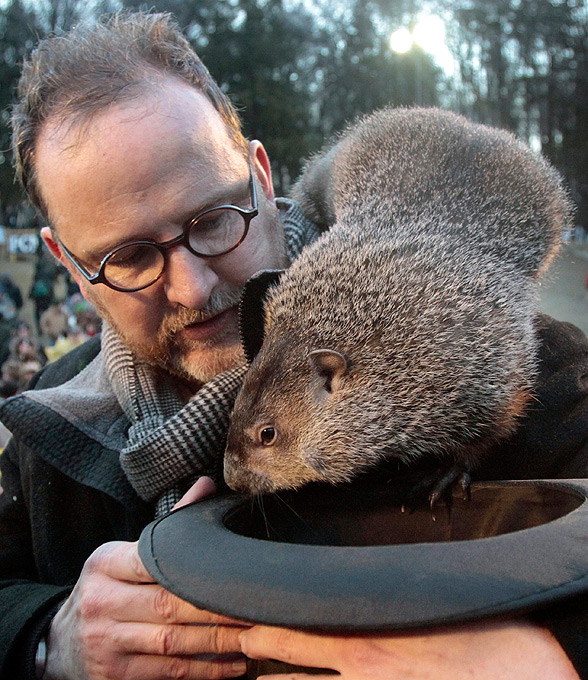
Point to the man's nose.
(188, 279)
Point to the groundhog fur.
(405, 331)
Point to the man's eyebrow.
(92, 259)
(222, 196)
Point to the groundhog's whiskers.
(298, 515)
(259, 499)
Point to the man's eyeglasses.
(136, 265)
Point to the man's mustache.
(183, 316)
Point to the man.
(161, 211)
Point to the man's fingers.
(290, 646)
(151, 667)
(120, 561)
(289, 675)
(201, 489)
(175, 640)
(149, 603)
(167, 608)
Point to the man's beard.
(170, 352)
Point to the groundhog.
(405, 332)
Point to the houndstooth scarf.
(170, 445)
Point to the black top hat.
(349, 558)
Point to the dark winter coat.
(52, 519)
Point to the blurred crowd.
(19, 215)
(59, 324)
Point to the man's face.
(140, 170)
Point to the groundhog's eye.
(267, 436)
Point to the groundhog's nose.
(231, 475)
(240, 478)
(231, 466)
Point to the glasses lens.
(134, 266)
(217, 231)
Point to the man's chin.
(202, 364)
(193, 363)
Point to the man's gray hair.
(73, 76)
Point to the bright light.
(429, 34)
(401, 41)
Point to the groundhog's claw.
(445, 485)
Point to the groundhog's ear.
(330, 366)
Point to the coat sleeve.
(26, 605)
(568, 622)
(552, 438)
(53, 517)
(552, 442)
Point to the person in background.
(6, 328)
(10, 290)
(54, 322)
(72, 338)
(42, 293)
(8, 388)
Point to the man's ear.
(57, 253)
(261, 167)
(52, 244)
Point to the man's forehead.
(133, 147)
(172, 106)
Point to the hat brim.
(335, 559)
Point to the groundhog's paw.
(440, 485)
(457, 477)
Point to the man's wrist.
(46, 666)
(41, 658)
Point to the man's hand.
(119, 625)
(512, 650)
